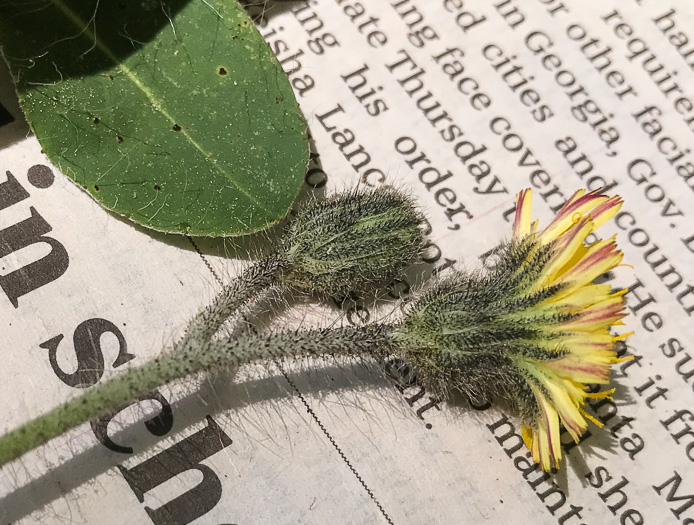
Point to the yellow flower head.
(534, 330)
(584, 343)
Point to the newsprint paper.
(463, 103)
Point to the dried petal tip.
(535, 329)
(352, 241)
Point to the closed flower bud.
(352, 241)
(534, 330)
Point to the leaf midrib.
(156, 103)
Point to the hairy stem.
(191, 358)
(255, 280)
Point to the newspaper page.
(463, 103)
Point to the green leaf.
(174, 113)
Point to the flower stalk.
(190, 359)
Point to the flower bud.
(352, 241)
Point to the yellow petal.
(578, 206)
(605, 211)
(600, 258)
(583, 297)
(522, 226)
(567, 247)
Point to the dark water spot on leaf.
(157, 187)
(119, 139)
(40, 176)
(176, 127)
(96, 188)
(222, 71)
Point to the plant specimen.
(534, 330)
